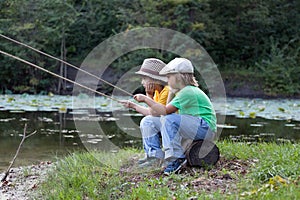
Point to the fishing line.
(56, 75)
(75, 67)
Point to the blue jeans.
(172, 128)
(150, 128)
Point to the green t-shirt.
(192, 101)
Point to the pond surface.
(57, 134)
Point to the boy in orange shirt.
(156, 88)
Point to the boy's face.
(146, 81)
(172, 81)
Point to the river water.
(59, 130)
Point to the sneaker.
(174, 166)
(142, 160)
(151, 162)
(164, 164)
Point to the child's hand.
(149, 88)
(127, 104)
(140, 97)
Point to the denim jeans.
(172, 128)
(150, 128)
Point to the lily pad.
(45, 119)
(226, 126)
(257, 125)
(7, 119)
(132, 114)
(290, 125)
(111, 119)
(68, 136)
(16, 111)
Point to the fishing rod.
(75, 67)
(56, 75)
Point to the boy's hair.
(188, 79)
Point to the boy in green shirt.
(189, 115)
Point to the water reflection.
(48, 143)
(57, 135)
(260, 129)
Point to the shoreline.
(22, 182)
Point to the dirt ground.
(223, 176)
(22, 182)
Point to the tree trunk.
(62, 69)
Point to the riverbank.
(245, 171)
(238, 83)
(22, 182)
(248, 84)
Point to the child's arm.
(156, 109)
(141, 109)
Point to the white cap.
(178, 65)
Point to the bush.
(280, 70)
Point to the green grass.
(272, 161)
(273, 173)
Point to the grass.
(255, 171)
(275, 173)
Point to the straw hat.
(151, 68)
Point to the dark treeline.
(242, 36)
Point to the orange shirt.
(161, 97)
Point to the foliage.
(235, 33)
(47, 25)
(188, 16)
(280, 70)
(248, 25)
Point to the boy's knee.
(146, 121)
(167, 119)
